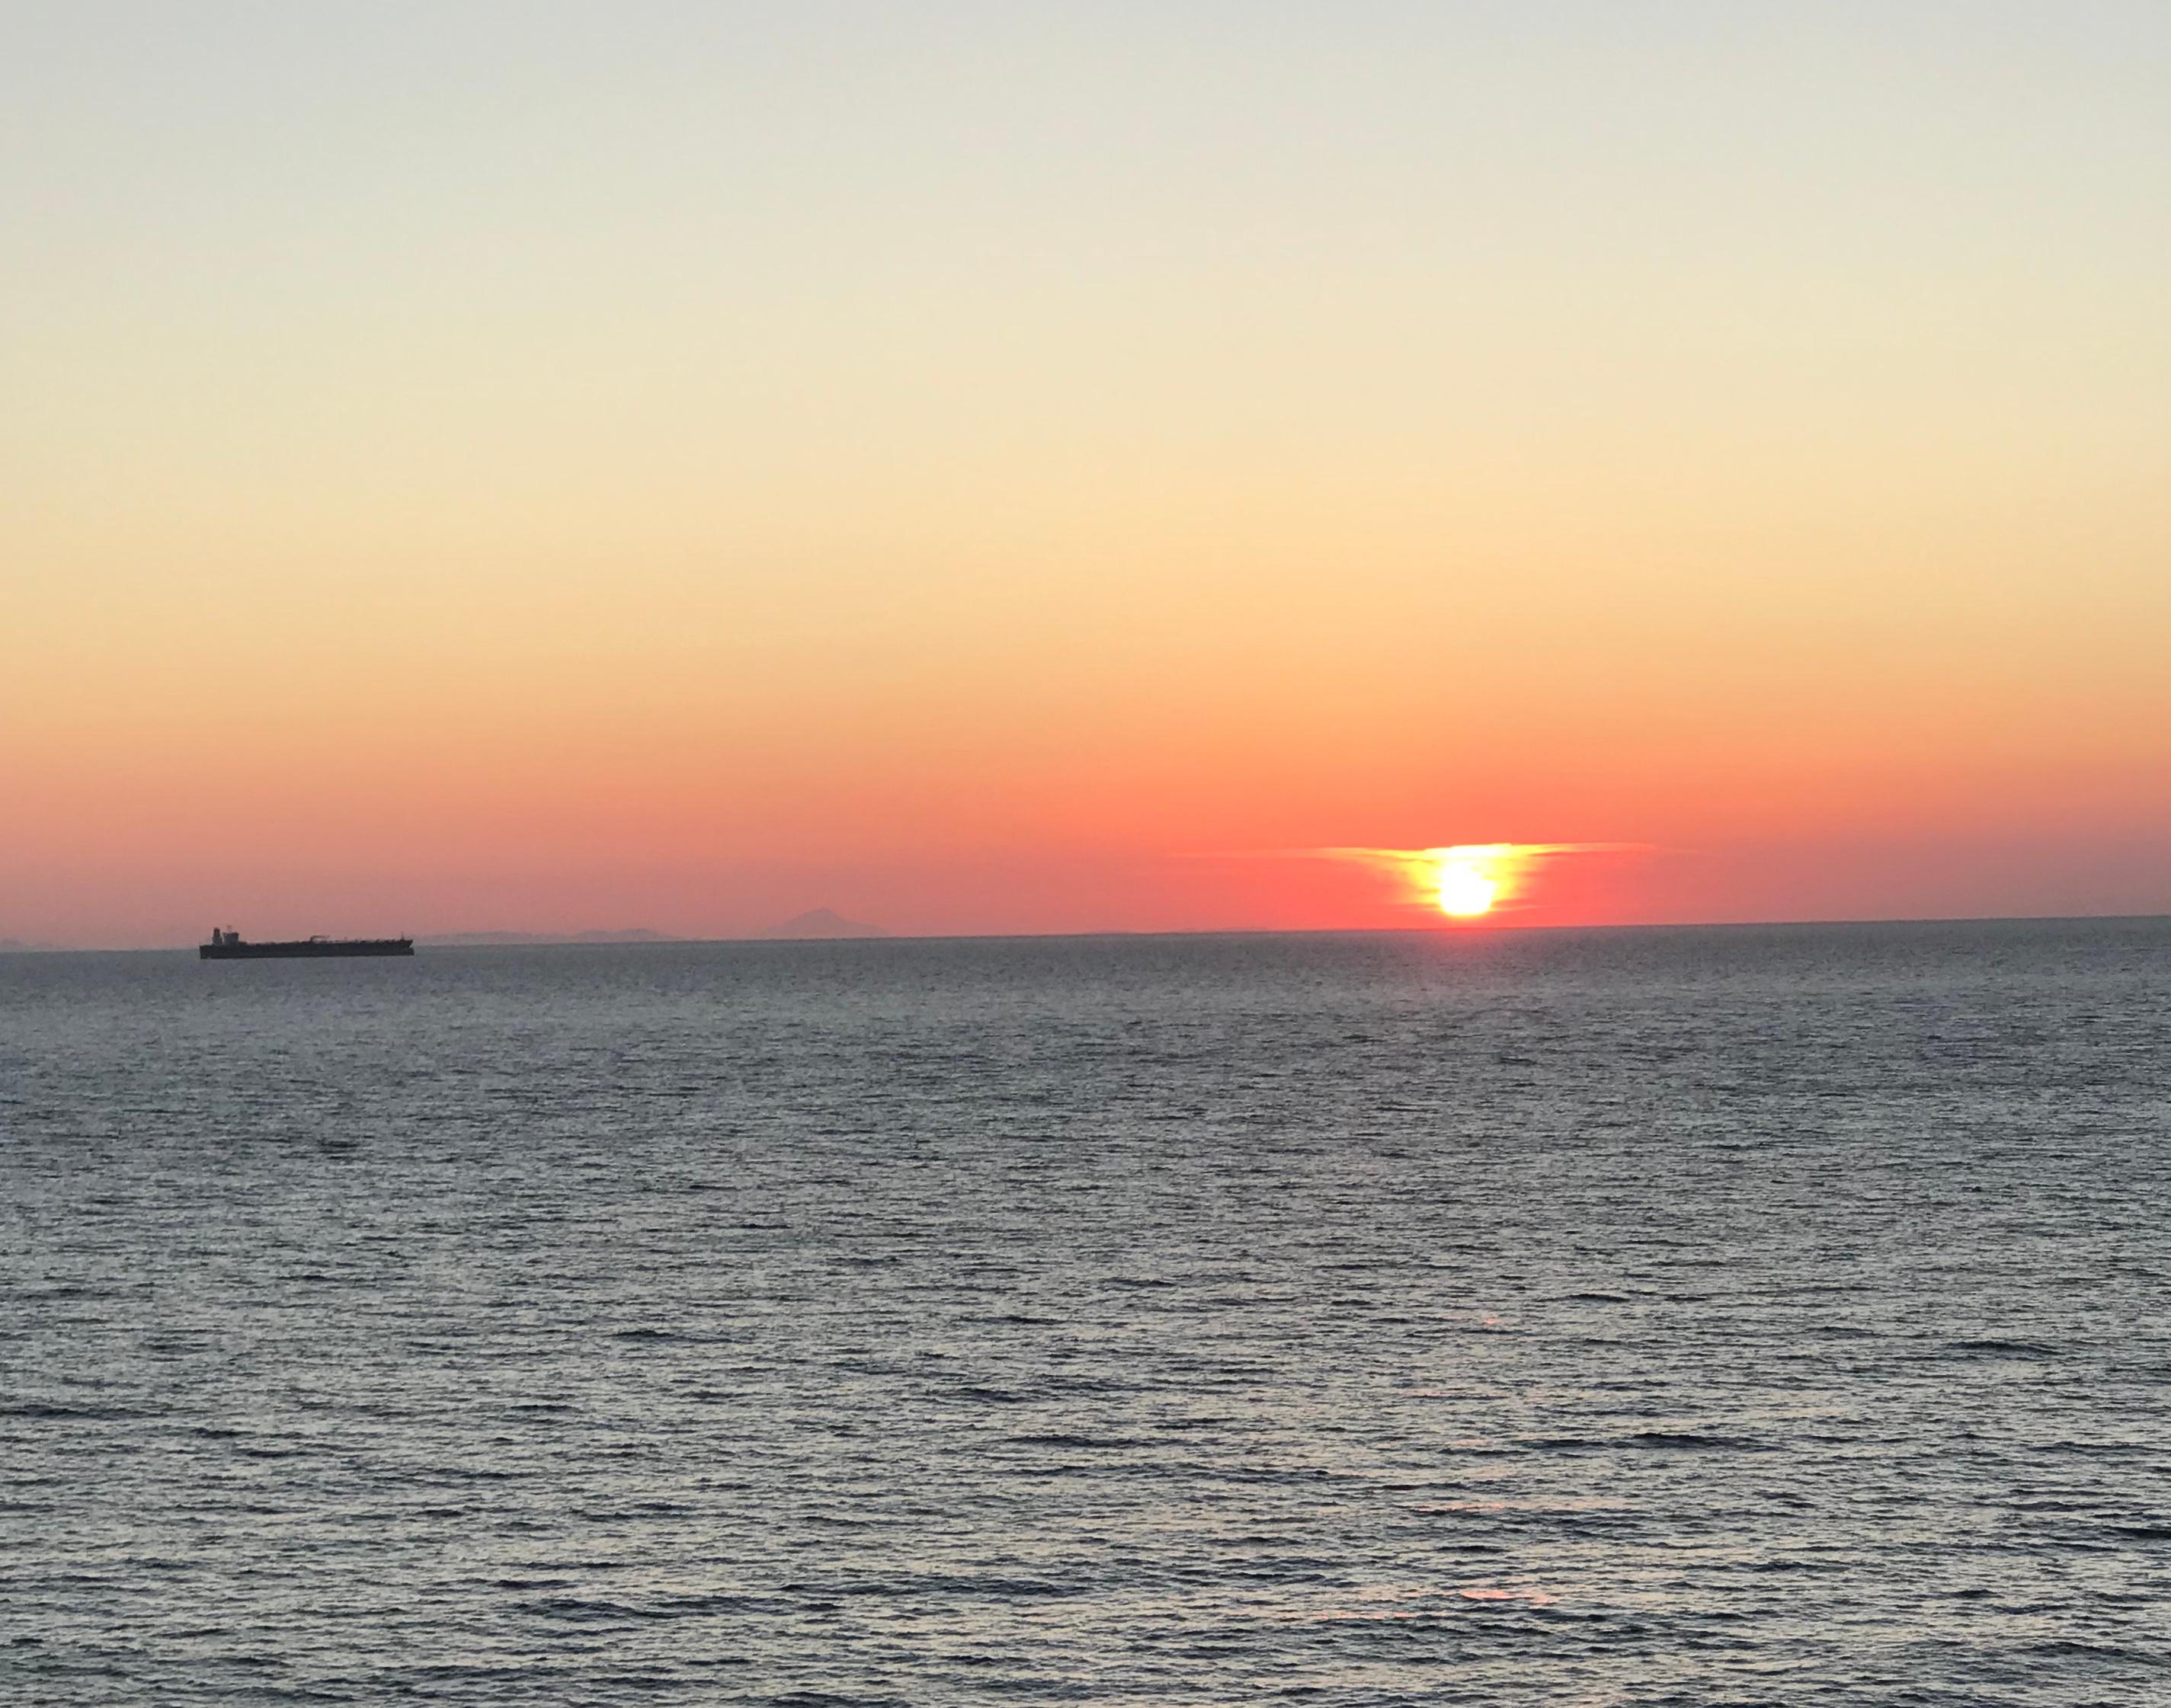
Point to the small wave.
(588, 1610)
(1092, 1443)
(1999, 1349)
(1691, 1441)
(1532, 1597)
(986, 1396)
(46, 1410)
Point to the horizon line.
(442, 941)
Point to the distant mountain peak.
(822, 922)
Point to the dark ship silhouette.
(228, 946)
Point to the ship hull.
(317, 951)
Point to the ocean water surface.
(1715, 1316)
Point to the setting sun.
(1467, 880)
(1464, 890)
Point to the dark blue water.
(1679, 1317)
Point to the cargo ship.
(228, 946)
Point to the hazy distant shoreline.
(817, 923)
(632, 939)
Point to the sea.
(1732, 1315)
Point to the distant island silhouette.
(481, 940)
(815, 923)
(822, 922)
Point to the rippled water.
(1686, 1317)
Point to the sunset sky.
(1050, 467)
